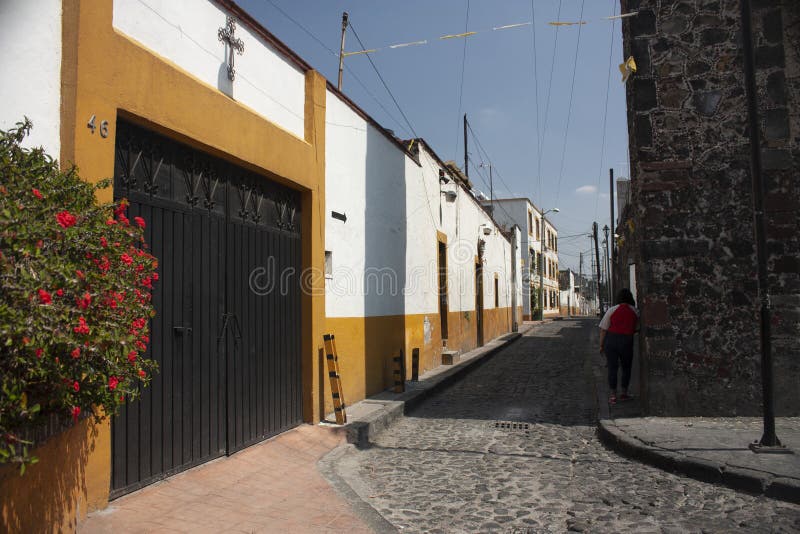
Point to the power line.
(605, 109)
(536, 88)
(461, 85)
(547, 104)
(349, 70)
(569, 109)
(383, 81)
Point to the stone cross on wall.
(226, 35)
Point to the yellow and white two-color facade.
(400, 234)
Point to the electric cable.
(461, 85)
(569, 108)
(605, 109)
(547, 104)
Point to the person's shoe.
(612, 399)
(624, 397)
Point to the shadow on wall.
(384, 261)
(52, 494)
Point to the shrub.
(76, 286)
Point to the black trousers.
(619, 353)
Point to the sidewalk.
(711, 449)
(279, 485)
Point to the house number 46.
(103, 126)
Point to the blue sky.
(498, 92)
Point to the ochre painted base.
(72, 477)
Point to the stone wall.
(691, 232)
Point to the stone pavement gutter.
(712, 450)
(374, 414)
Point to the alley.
(512, 448)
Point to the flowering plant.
(76, 282)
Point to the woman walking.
(616, 341)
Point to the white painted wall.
(30, 40)
(185, 33)
(390, 238)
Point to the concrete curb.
(360, 432)
(734, 477)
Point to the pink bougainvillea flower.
(103, 242)
(113, 382)
(139, 221)
(132, 356)
(65, 219)
(76, 352)
(76, 411)
(82, 327)
(127, 260)
(39, 352)
(85, 301)
(44, 297)
(76, 386)
(60, 292)
(36, 193)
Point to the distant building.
(539, 244)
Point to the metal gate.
(226, 334)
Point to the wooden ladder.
(335, 378)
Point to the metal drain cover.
(512, 426)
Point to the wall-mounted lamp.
(443, 179)
(450, 196)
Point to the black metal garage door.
(227, 331)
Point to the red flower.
(120, 210)
(103, 242)
(60, 292)
(36, 193)
(26, 340)
(155, 276)
(139, 221)
(147, 282)
(39, 352)
(145, 339)
(39, 244)
(127, 260)
(76, 386)
(142, 374)
(139, 323)
(84, 301)
(132, 356)
(76, 411)
(65, 219)
(76, 352)
(141, 346)
(124, 220)
(113, 382)
(80, 274)
(44, 297)
(82, 327)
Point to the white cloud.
(586, 190)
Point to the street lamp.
(543, 247)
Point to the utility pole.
(466, 157)
(769, 439)
(341, 49)
(610, 296)
(613, 230)
(582, 297)
(597, 263)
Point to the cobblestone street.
(512, 448)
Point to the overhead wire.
(605, 109)
(536, 89)
(349, 70)
(385, 86)
(569, 108)
(461, 85)
(547, 104)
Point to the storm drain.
(513, 427)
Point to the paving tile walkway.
(270, 487)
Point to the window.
(537, 229)
(530, 223)
(496, 292)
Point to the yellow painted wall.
(108, 75)
(72, 476)
(366, 346)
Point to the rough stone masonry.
(691, 232)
